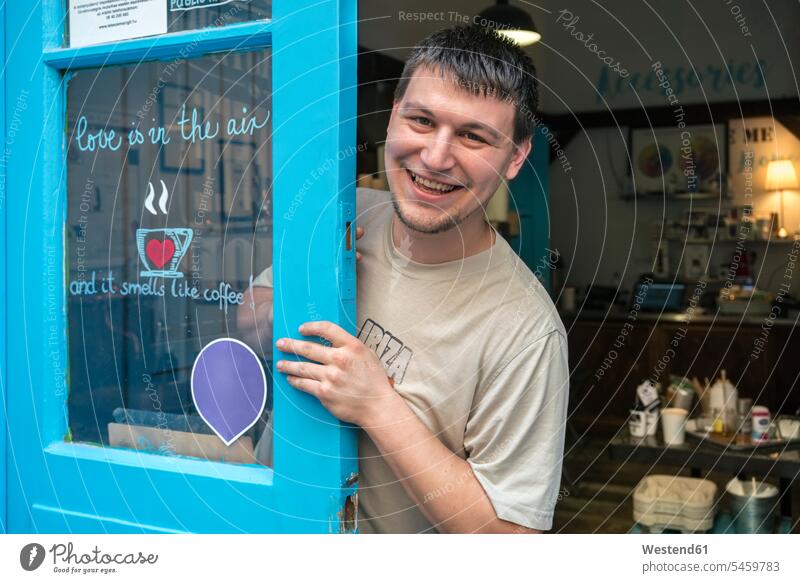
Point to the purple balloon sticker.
(229, 387)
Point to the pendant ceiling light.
(512, 22)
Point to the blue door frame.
(57, 486)
(3, 191)
(530, 199)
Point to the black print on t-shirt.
(391, 351)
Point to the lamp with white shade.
(512, 22)
(781, 176)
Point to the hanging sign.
(102, 21)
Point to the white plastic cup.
(789, 428)
(673, 424)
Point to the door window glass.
(169, 217)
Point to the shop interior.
(674, 235)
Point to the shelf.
(786, 241)
(675, 197)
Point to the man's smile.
(429, 188)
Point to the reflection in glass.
(194, 14)
(169, 216)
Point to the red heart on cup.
(160, 252)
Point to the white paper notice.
(93, 22)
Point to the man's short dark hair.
(483, 62)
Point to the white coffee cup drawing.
(161, 250)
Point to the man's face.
(447, 151)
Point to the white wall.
(603, 234)
(600, 234)
(596, 231)
(692, 41)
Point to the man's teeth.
(431, 184)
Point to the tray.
(728, 442)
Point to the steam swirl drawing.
(161, 250)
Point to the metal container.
(683, 398)
(751, 514)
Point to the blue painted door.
(3, 193)
(153, 179)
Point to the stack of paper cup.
(673, 424)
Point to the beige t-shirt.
(478, 351)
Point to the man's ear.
(521, 152)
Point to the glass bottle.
(744, 421)
(718, 425)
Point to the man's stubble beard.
(449, 222)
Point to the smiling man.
(458, 375)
